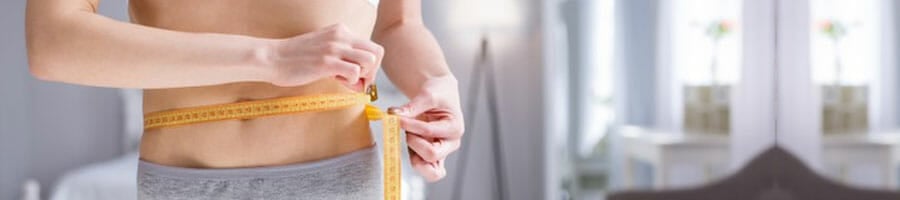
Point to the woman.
(206, 52)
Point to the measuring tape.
(315, 103)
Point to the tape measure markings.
(391, 137)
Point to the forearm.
(84, 48)
(413, 59)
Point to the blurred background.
(574, 99)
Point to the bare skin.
(263, 141)
(203, 52)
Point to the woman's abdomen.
(264, 141)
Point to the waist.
(177, 98)
(261, 141)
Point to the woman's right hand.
(330, 52)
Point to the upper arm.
(41, 9)
(43, 16)
(49, 14)
(46, 20)
(396, 12)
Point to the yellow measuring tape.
(286, 105)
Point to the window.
(705, 54)
(845, 37)
(707, 43)
(845, 54)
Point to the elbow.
(43, 44)
(40, 64)
(47, 59)
(40, 71)
(46, 64)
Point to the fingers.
(431, 171)
(366, 61)
(369, 46)
(342, 43)
(346, 72)
(377, 53)
(418, 105)
(431, 150)
(340, 33)
(435, 129)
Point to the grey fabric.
(355, 175)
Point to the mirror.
(661, 77)
(853, 55)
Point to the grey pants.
(356, 175)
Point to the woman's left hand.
(434, 126)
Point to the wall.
(753, 115)
(798, 124)
(14, 95)
(882, 96)
(49, 128)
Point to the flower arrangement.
(833, 29)
(715, 31)
(718, 29)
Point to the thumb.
(415, 107)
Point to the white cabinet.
(674, 160)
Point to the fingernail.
(396, 111)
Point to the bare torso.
(265, 141)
